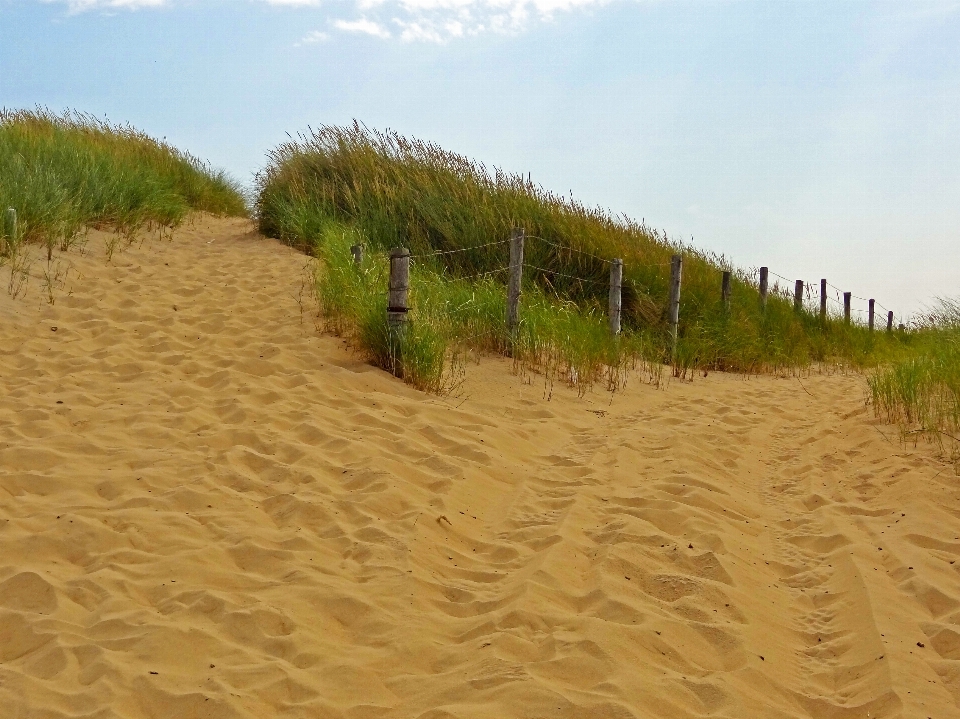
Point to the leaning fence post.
(823, 300)
(10, 227)
(763, 287)
(516, 277)
(846, 307)
(798, 296)
(870, 315)
(357, 252)
(616, 295)
(725, 289)
(673, 317)
(890, 321)
(397, 302)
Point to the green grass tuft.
(451, 316)
(63, 173)
(921, 392)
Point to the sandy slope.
(230, 516)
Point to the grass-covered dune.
(62, 173)
(921, 392)
(330, 188)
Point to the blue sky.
(819, 138)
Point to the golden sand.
(208, 509)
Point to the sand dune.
(208, 509)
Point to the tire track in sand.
(841, 667)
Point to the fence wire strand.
(568, 249)
(481, 274)
(437, 253)
(813, 289)
(561, 274)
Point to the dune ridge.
(209, 509)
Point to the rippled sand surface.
(208, 509)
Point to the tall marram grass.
(393, 191)
(921, 393)
(65, 172)
(450, 316)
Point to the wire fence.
(810, 294)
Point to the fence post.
(397, 303)
(725, 289)
(10, 230)
(890, 321)
(673, 316)
(823, 300)
(516, 276)
(763, 287)
(846, 307)
(616, 295)
(901, 327)
(798, 296)
(357, 252)
(870, 320)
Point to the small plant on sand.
(54, 278)
(19, 262)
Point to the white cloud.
(439, 21)
(433, 21)
(543, 7)
(363, 26)
(428, 30)
(78, 6)
(418, 31)
(312, 38)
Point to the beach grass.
(451, 317)
(921, 392)
(63, 173)
(455, 216)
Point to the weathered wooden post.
(399, 286)
(823, 300)
(764, 271)
(357, 252)
(725, 289)
(798, 296)
(846, 307)
(870, 315)
(890, 321)
(515, 280)
(397, 304)
(616, 295)
(10, 231)
(900, 327)
(673, 315)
